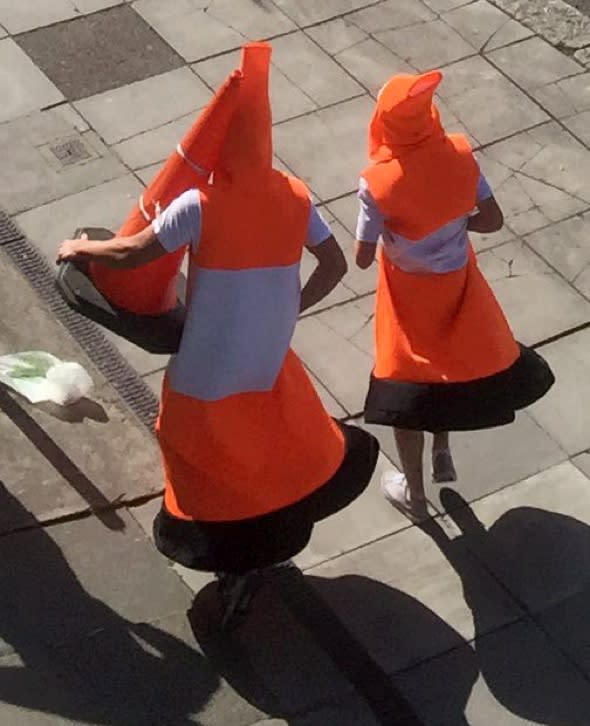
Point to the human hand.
(71, 250)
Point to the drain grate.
(122, 376)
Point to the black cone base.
(155, 334)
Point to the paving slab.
(390, 14)
(154, 146)
(522, 679)
(287, 99)
(533, 63)
(484, 26)
(567, 625)
(85, 456)
(337, 35)
(254, 20)
(46, 155)
(427, 45)
(366, 520)
(565, 246)
(489, 105)
(441, 6)
(340, 365)
(519, 278)
(142, 360)
(534, 536)
(193, 33)
(23, 86)
(307, 145)
(330, 403)
(99, 52)
(526, 450)
(562, 412)
(312, 70)
(125, 112)
(18, 18)
(372, 64)
(579, 124)
(582, 461)
(308, 12)
(402, 599)
(106, 205)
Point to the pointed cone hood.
(404, 115)
(247, 150)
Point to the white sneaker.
(395, 489)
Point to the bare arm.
(330, 270)
(119, 252)
(489, 217)
(364, 253)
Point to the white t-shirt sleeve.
(318, 230)
(180, 223)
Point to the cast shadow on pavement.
(65, 654)
(543, 559)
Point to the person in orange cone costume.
(251, 458)
(446, 359)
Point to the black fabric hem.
(480, 404)
(238, 546)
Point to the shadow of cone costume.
(446, 359)
(251, 458)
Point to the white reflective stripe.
(238, 331)
(196, 167)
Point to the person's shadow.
(294, 654)
(66, 654)
(541, 558)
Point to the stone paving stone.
(307, 145)
(330, 403)
(254, 20)
(32, 174)
(567, 97)
(484, 26)
(555, 20)
(565, 245)
(148, 172)
(523, 679)
(583, 463)
(87, 455)
(312, 70)
(99, 52)
(154, 146)
(176, 683)
(192, 32)
(23, 87)
(441, 6)
(342, 367)
(307, 12)
(367, 519)
(128, 111)
(18, 18)
(488, 104)
(337, 35)
(567, 625)
(390, 14)
(526, 450)
(287, 99)
(520, 280)
(71, 579)
(372, 64)
(154, 380)
(534, 63)
(142, 360)
(562, 412)
(427, 45)
(403, 600)
(579, 125)
(534, 536)
(106, 205)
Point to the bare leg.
(443, 468)
(410, 447)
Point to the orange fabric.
(440, 327)
(250, 453)
(151, 289)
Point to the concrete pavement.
(480, 617)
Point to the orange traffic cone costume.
(445, 356)
(251, 458)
